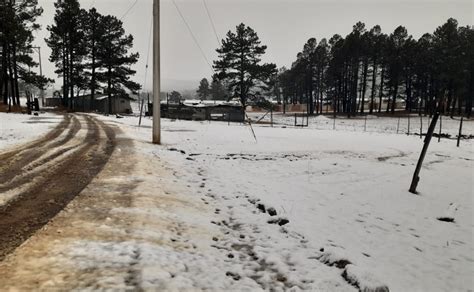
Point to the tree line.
(369, 71)
(91, 52)
(18, 22)
(216, 90)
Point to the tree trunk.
(65, 74)
(4, 79)
(10, 75)
(364, 85)
(374, 80)
(395, 93)
(354, 88)
(109, 90)
(93, 77)
(382, 75)
(15, 74)
(71, 75)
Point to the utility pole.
(156, 73)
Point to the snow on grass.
(345, 190)
(17, 128)
(298, 209)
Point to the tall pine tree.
(239, 63)
(116, 61)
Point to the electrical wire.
(148, 53)
(192, 34)
(129, 9)
(212, 22)
(146, 70)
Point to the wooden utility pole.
(156, 73)
(429, 134)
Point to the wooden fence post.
(460, 131)
(429, 134)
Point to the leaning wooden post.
(429, 134)
(460, 131)
(141, 112)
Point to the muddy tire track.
(38, 203)
(13, 167)
(53, 134)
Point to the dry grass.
(14, 108)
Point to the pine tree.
(395, 69)
(94, 29)
(239, 63)
(466, 59)
(16, 37)
(114, 57)
(175, 97)
(204, 91)
(446, 47)
(218, 91)
(67, 45)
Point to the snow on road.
(344, 194)
(17, 129)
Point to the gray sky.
(283, 25)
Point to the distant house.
(205, 110)
(120, 104)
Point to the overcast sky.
(283, 25)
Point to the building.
(120, 104)
(218, 111)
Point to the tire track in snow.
(39, 203)
(24, 167)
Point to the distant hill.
(179, 85)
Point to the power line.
(192, 34)
(212, 22)
(129, 9)
(148, 53)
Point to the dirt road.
(39, 179)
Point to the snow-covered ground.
(345, 195)
(20, 128)
(298, 209)
(369, 123)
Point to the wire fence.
(413, 124)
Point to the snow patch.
(363, 280)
